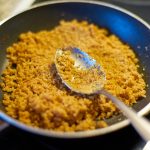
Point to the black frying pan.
(128, 27)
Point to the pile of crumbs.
(34, 93)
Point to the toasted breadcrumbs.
(35, 95)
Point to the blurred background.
(11, 7)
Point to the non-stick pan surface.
(128, 27)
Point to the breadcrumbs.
(35, 95)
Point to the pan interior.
(127, 28)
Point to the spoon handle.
(141, 124)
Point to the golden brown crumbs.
(34, 94)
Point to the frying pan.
(127, 26)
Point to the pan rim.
(80, 134)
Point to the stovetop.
(124, 139)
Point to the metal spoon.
(84, 62)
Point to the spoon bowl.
(87, 76)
